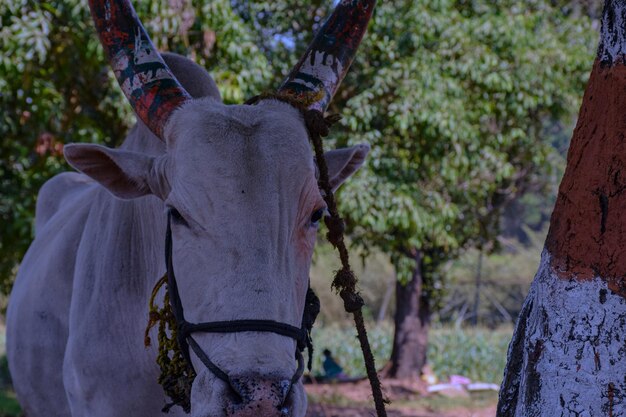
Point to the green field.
(479, 354)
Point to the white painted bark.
(612, 47)
(568, 353)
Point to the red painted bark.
(588, 227)
(566, 357)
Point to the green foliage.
(215, 37)
(9, 407)
(56, 88)
(453, 96)
(283, 30)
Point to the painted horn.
(149, 85)
(316, 77)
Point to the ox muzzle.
(256, 393)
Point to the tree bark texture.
(477, 289)
(412, 322)
(568, 352)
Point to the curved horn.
(316, 77)
(147, 82)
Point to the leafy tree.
(53, 86)
(453, 96)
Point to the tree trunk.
(568, 353)
(567, 356)
(386, 299)
(412, 321)
(477, 289)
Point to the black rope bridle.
(185, 329)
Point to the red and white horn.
(316, 77)
(150, 86)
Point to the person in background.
(332, 370)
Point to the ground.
(354, 400)
(407, 400)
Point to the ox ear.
(123, 173)
(342, 163)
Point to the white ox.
(243, 180)
(241, 184)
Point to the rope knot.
(316, 123)
(351, 301)
(344, 279)
(345, 282)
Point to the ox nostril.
(256, 396)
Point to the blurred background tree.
(466, 104)
(53, 90)
(456, 98)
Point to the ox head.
(240, 184)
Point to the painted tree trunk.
(412, 322)
(568, 353)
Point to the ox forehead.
(239, 140)
(238, 156)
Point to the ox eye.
(317, 216)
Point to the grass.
(477, 353)
(436, 403)
(357, 397)
(9, 406)
(345, 347)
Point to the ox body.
(242, 182)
